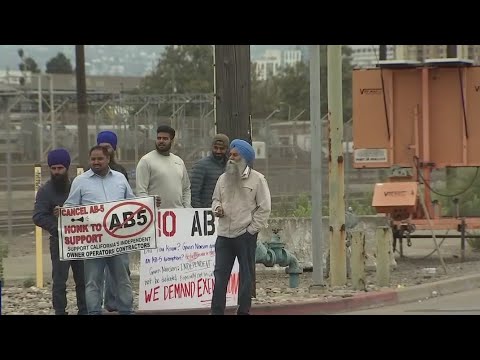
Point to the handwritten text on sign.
(101, 230)
(179, 273)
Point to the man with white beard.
(241, 201)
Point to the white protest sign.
(178, 275)
(101, 230)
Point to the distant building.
(11, 77)
(368, 55)
(273, 60)
(422, 52)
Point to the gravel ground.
(272, 285)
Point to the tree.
(292, 88)
(264, 95)
(29, 65)
(294, 85)
(189, 69)
(59, 64)
(182, 69)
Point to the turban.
(107, 137)
(245, 149)
(59, 157)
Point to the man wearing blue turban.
(51, 195)
(241, 200)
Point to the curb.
(443, 287)
(356, 302)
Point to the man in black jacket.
(205, 172)
(108, 139)
(52, 194)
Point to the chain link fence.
(35, 123)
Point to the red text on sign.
(73, 229)
(200, 288)
(80, 239)
(74, 211)
(167, 223)
(96, 208)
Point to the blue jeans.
(110, 290)
(94, 277)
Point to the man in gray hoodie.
(52, 194)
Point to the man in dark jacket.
(108, 139)
(205, 172)
(52, 194)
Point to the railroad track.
(21, 220)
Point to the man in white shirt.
(164, 174)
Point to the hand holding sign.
(219, 212)
(107, 229)
(158, 201)
(56, 211)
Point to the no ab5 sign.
(108, 229)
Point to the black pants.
(60, 276)
(226, 250)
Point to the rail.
(22, 220)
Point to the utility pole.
(316, 167)
(40, 118)
(52, 113)
(338, 263)
(9, 170)
(451, 172)
(82, 109)
(232, 97)
(232, 91)
(451, 51)
(382, 52)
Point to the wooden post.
(338, 259)
(384, 248)
(232, 98)
(82, 106)
(38, 231)
(358, 260)
(232, 91)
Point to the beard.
(233, 172)
(164, 150)
(60, 182)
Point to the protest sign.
(112, 228)
(178, 274)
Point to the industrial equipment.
(415, 118)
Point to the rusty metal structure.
(415, 118)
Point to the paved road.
(464, 303)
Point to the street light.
(266, 127)
(271, 114)
(266, 123)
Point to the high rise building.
(273, 60)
